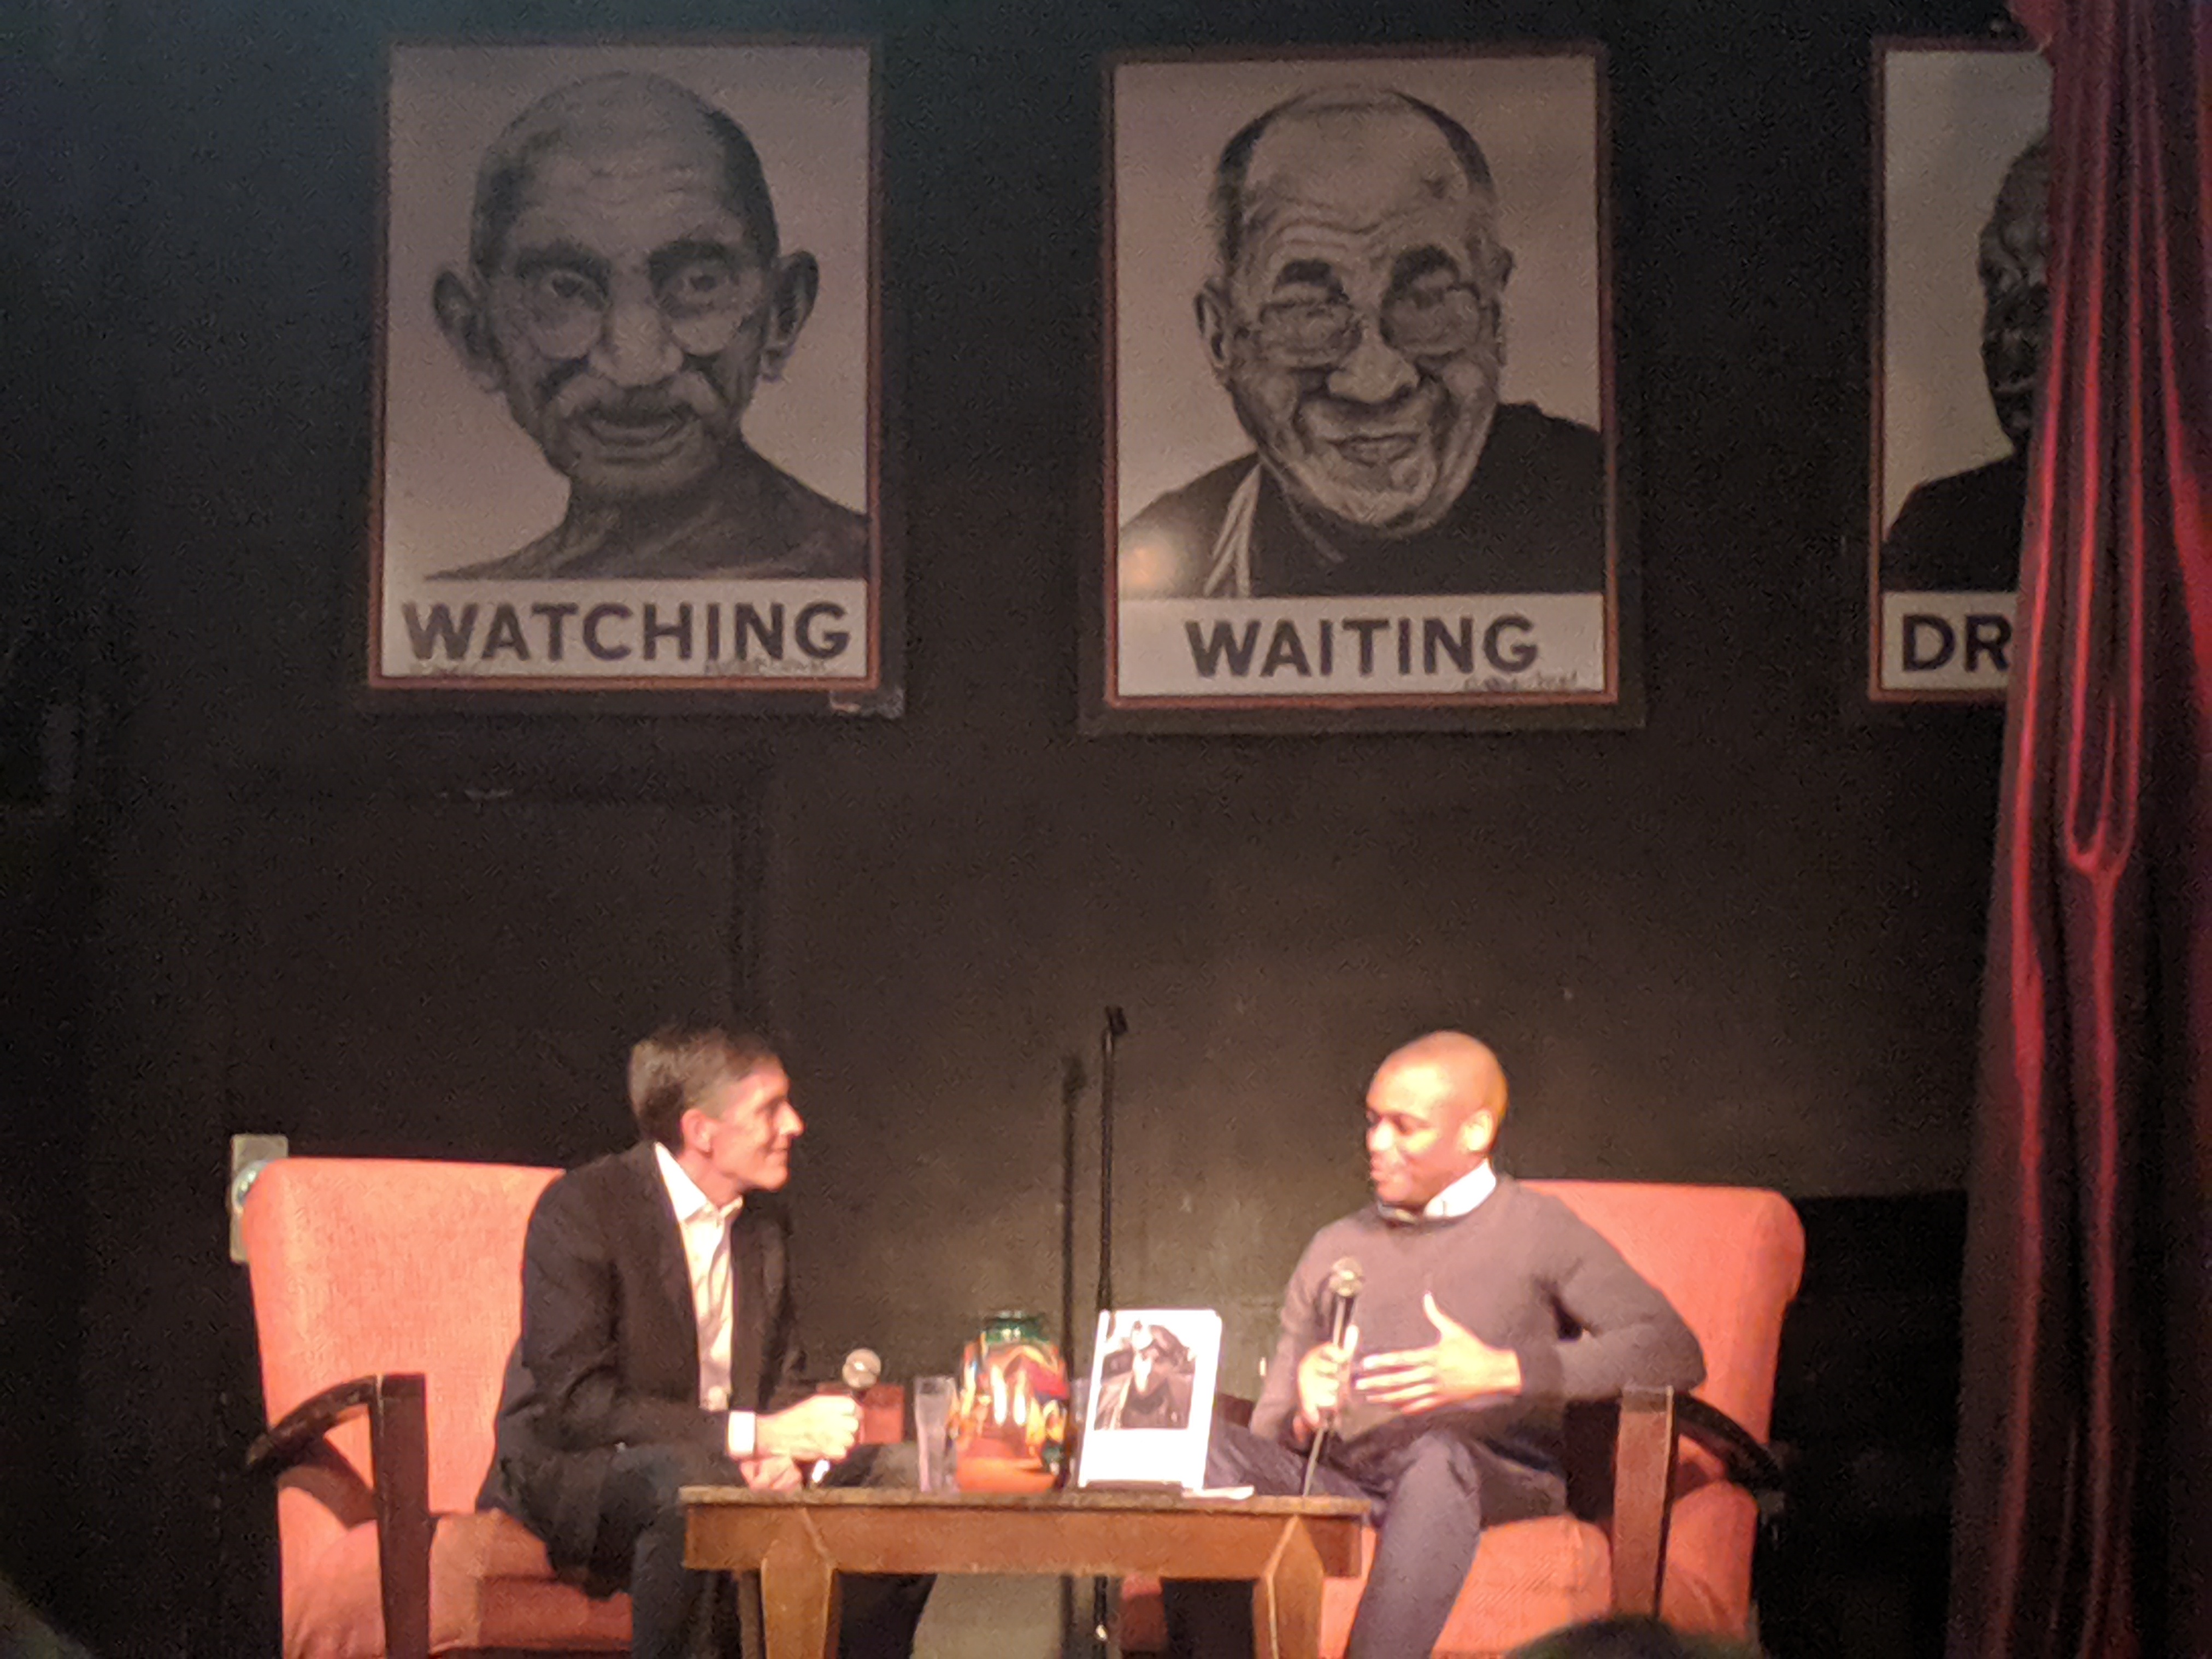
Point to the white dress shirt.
(705, 1226)
(1463, 1196)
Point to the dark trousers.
(1429, 1493)
(679, 1613)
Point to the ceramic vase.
(1011, 1416)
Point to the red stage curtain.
(2085, 1443)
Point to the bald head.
(2023, 199)
(1432, 1115)
(1356, 144)
(1465, 1071)
(604, 125)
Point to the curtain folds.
(2084, 1478)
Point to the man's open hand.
(1322, 1375)
(1461, 1366)
(825, 1426)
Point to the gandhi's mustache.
(573, 391)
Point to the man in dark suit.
(658, 1350)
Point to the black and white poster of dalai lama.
(1963, 190)
(629, 413)
(1360, 444)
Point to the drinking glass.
(932, 1430)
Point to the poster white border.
(456, 482)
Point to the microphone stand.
(1116, 1027)
(1313, 1459)
(1070, 1089)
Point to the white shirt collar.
(1463, 1196)
(691, 1204)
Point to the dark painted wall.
(58, 501)
(1740, 945)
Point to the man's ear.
(462, 318)
(1504, 265)
(1211, 306)
(1479, 1131)
(797, 280)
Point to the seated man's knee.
(661, 1470)
(1441, 1463)
(1221, 1459)
(1235, 1456)
(645, 1483)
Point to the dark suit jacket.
(608, 1351)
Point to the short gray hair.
(672, 1070)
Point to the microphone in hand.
(1344, 1279)
(862, 1370)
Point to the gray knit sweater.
(1522, 1271)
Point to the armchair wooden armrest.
(1749, 1464)
(399, 1469)
(1652, 1420)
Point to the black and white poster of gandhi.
(629, 411)
(1964, 207)
(1360, 368)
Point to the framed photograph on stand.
(1153, 1371)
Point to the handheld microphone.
(1344, 1279)
(862, 1370)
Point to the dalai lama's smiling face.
(1359, 333)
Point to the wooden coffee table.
(797, 1542)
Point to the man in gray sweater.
(1486, 1309)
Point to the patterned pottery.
(1010, 1422)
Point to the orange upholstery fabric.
(360, 1266)
(490, 1587)
(1728, 1258)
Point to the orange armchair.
(1667, 1523)
(386, 1295)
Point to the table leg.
(752, 1633)
(1286, 1600)
(799, 1597)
